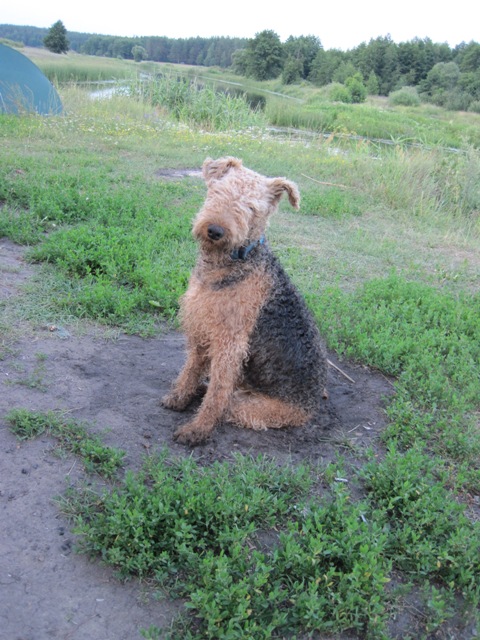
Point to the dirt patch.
(115, 385)
(174, 174)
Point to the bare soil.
(46, 589)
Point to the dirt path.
(48, 591)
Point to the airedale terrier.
(249, 332)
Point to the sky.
(338, 24)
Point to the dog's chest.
(226, 312)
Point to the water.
(110, 88)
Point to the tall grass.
(310, 109)
(428, 184)
(74, 68)
(195, 104)
(401, 125)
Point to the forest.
(419, 69)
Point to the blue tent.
(23, 87)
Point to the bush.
(457, 100)
(453, 99)
(406, 97)
(357, 89)
(352, 91)
(340, 93)
(474, 106)
(373, 86)
(292, 71)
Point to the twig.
(72, 468)
(329, 184)
(340, 371)
(355, 427)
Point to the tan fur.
(239, 193)
(259, 412)
(218, 327)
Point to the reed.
(195, 104)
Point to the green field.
(386, 249)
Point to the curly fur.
(249, 332)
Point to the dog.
(249, 332)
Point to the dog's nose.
(215, 232)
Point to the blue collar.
(242, 252)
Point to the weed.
(72, 436)
(430, 340)
(184, 510)
(27, 424)
(35, 379)
(438, 606)
(201, 529)
(430, 536)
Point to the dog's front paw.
(191, 434)
(175, 402)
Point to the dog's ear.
(277, 187)
(216, 169)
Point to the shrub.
(292, 71)
(373, 86)
(357, 89)
(452, 99)
(457, 100)
(406, 97)
(340, 93)
(474, 106)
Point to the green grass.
(255, 552)
(76, 68)
(116, 267)
(385, 249)
(430, 341)
(331, 202)
(299, 106)
(308, 107)
(120, 239)
(72, 436)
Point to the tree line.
(437, 72)
(208, 52)
(446, 76)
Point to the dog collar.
(242, 252)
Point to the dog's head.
(238, 205)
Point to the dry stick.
(340, 371)
(329, 184)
